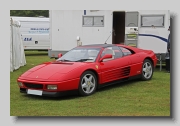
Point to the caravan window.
(152, 20)
(93, 21)
(88, 21)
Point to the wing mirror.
(59, 55)
(107, 56)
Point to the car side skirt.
(119, 81)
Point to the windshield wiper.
(64, 60)
(82, 60)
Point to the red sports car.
(87, 68)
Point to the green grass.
(34, 53)
(134, 98)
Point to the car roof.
(98, 45)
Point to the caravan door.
(131, 28)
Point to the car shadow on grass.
(64, 97)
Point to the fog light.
(52, 87)
(20, 84)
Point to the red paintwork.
(67, 74)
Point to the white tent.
(17, 55)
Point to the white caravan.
(146, 29)
(34, 32)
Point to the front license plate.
(34, 92)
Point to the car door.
(114, 68)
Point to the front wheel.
(147, 70)
(88, 83)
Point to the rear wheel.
(147, 70)
(88, 83)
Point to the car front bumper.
(52, 94)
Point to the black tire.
(87, 84)
(147, 70)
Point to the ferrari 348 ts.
(86, 68)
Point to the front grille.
(36, 86)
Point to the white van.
(34, 32)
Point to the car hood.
(47, 70)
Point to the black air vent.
(35, 86)
(125, 71)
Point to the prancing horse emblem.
(96, 66)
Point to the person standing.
(168, 53)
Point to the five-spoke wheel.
(147, 70)
(88, 83)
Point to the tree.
(29, 13)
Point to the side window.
(125, 51)
(152, 20)
(93, 21)
(114, 51)
(118, 52)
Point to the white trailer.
(34, 32)
(146, 29)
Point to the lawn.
(134, 98)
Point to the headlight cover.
(52, 87)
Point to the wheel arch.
(95, 72)
(149, 58)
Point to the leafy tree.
(29, 13)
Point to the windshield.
(80, 55)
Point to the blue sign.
(28, 39)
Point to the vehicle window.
(125, 51)
(93, 21)
(80, 55)
(152, 20)
(114, 51)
